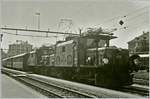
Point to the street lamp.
(38, 15)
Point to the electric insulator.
(121, 22)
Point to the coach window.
(58, 60)
(100, 59)
(14, 60)
(21, 59)
(69, 59)
(63, 49)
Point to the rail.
(49, 89)
(136, 90)
(67, 89)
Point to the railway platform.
(14, 89)
(91, 90)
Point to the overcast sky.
(83, 13)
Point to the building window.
(63, 49)
(58, 60)
(69, 59)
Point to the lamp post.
(38, 15)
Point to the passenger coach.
(18, 62)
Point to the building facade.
(19, 47)
(139, 44)
(3, 54)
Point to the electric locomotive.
(85, 58)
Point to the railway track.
(59, 89)
(141, 81)
(136, 90)
(53, 90)
(49, 89)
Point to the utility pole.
(97, 56)
(38, 16)
(80, 32)
(1, 36)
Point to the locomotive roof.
(93, 49)
(45, 55)
(15, 56)
(102, 48)
(52, 55)
(64, 43)
(32, 52)
(101, 36)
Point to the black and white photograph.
(74, 48)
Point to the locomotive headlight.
(105, 60)
(136, 61)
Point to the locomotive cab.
(108, 64)
(112, 67)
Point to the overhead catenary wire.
(132, 27)
(137, 16)
(134, 18)
(130, 13)
(122, 16)
(28, 35)
(137, 25)
(36, 31)
(133, 23)
(47, 32)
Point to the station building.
(140, 44)
(19, 47)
